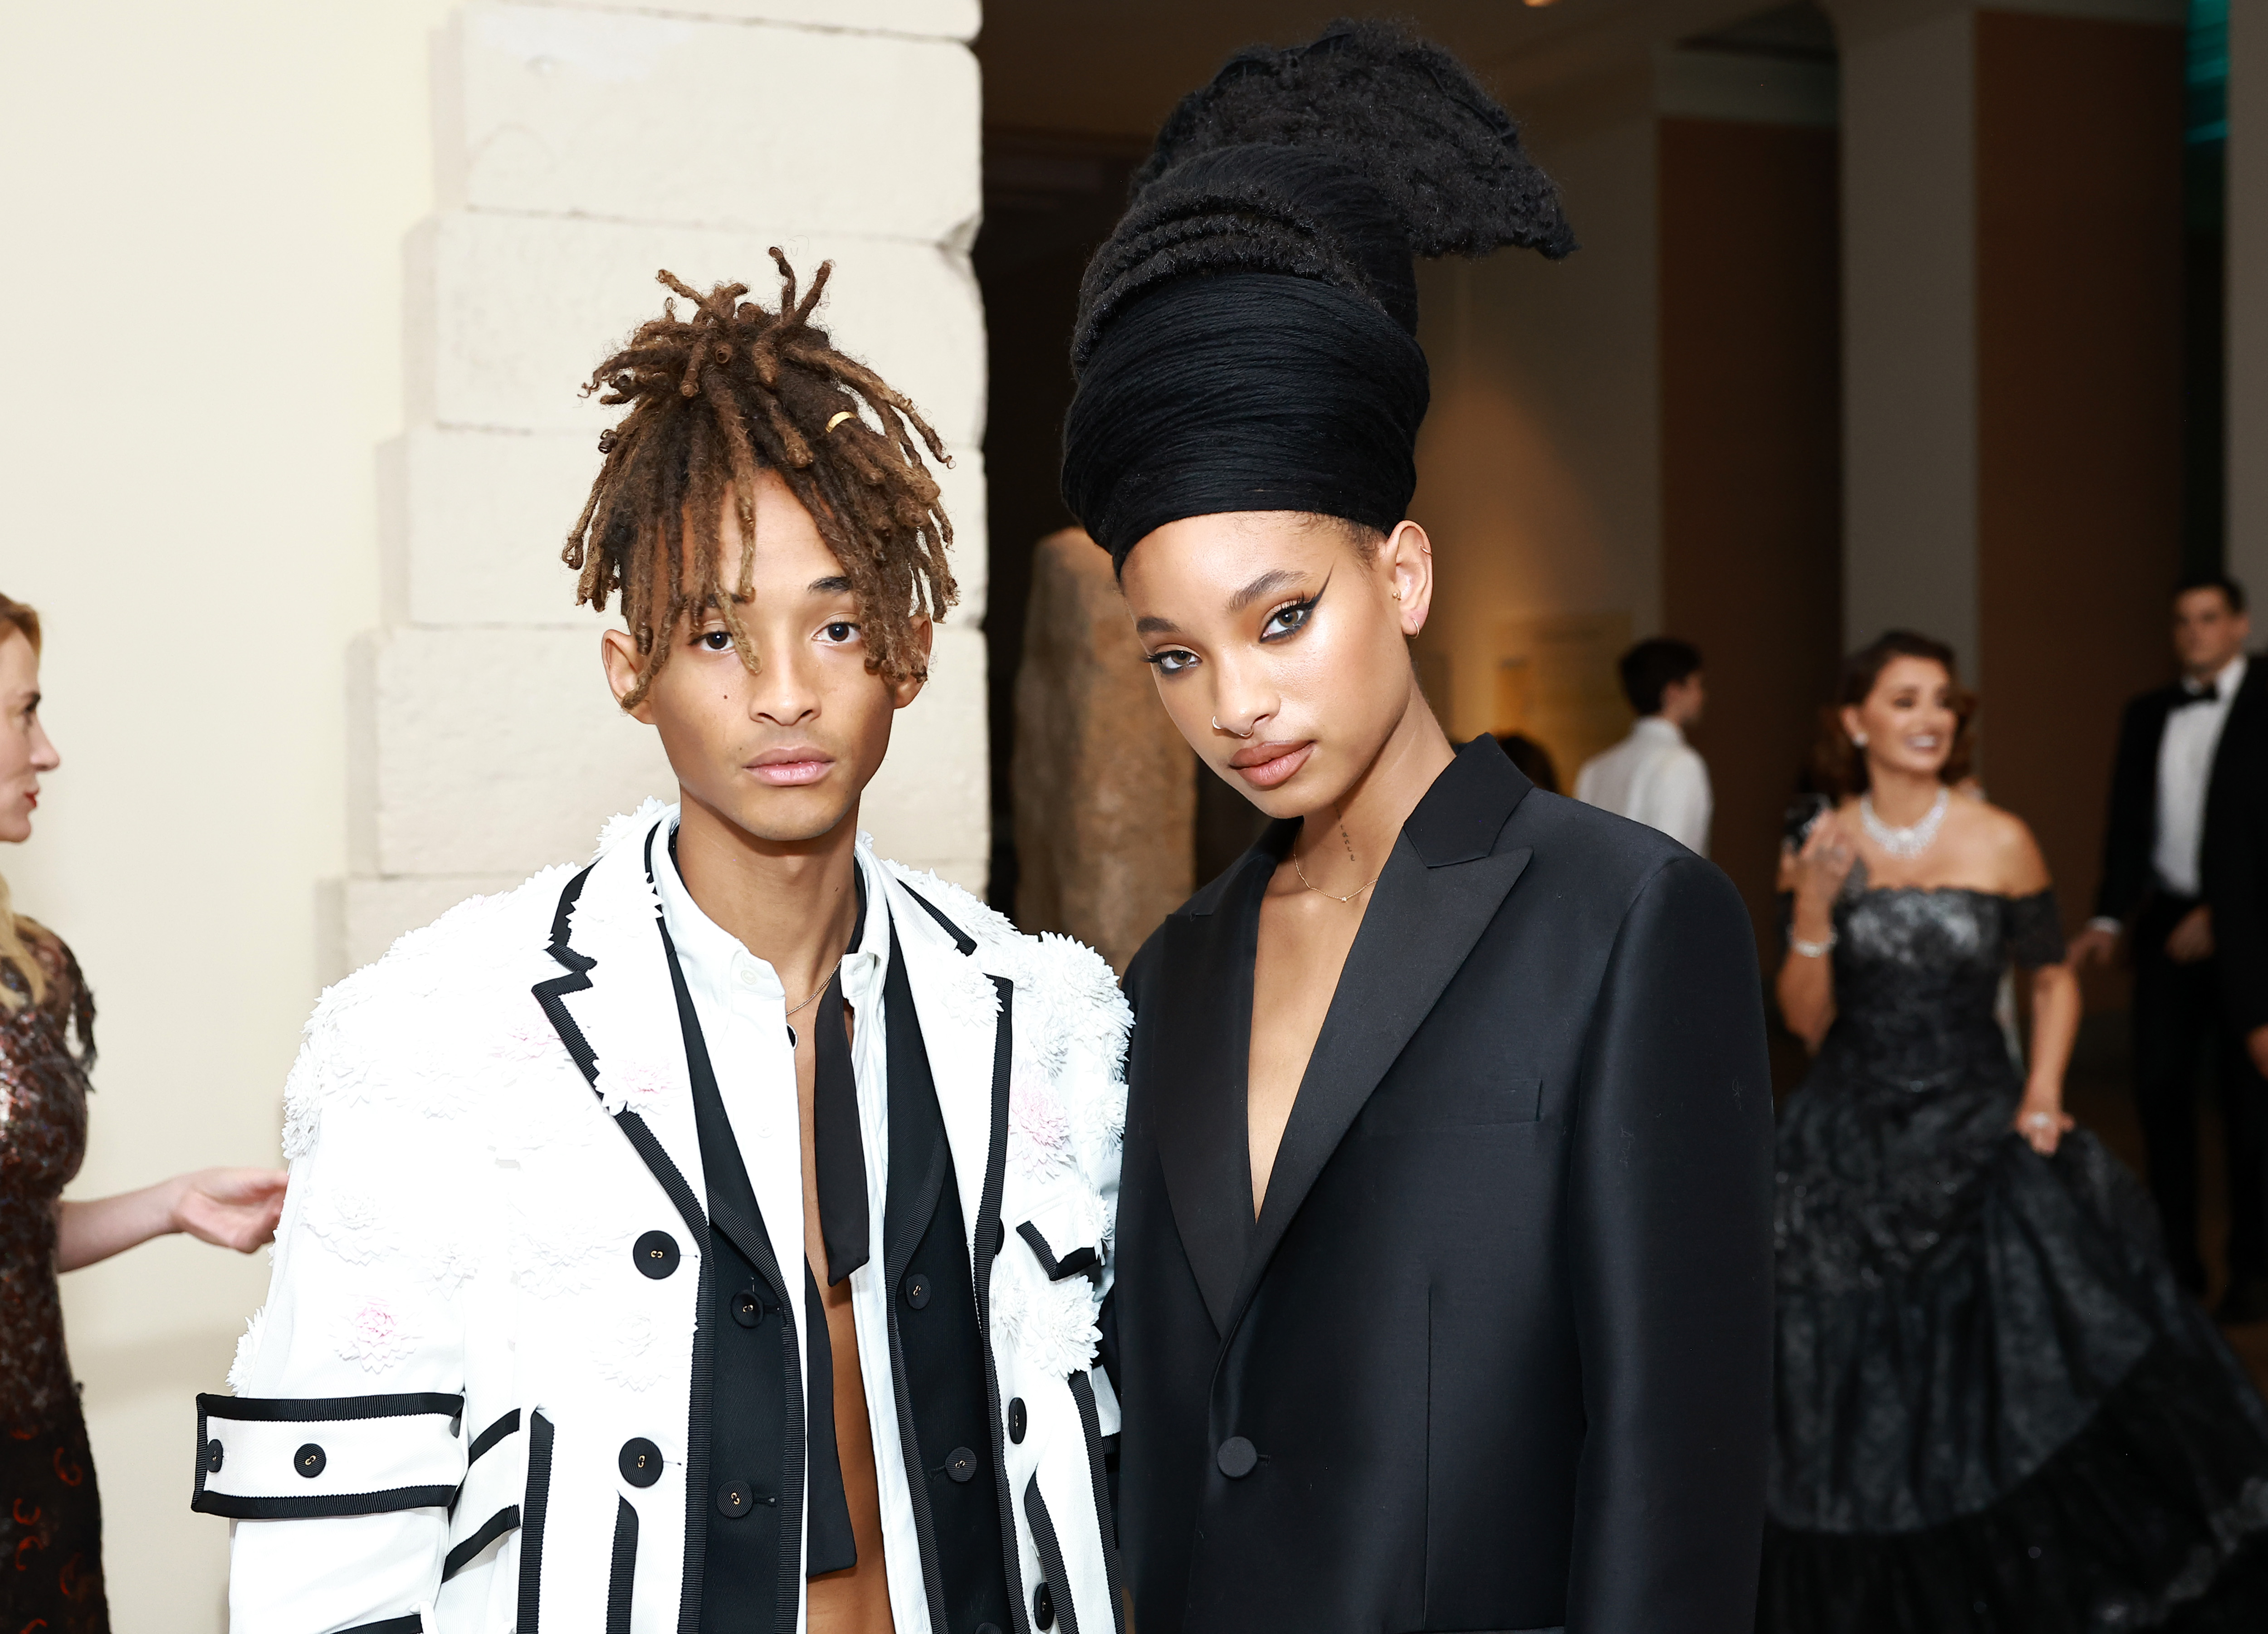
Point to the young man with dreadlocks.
(806, 1338)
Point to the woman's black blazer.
(1496, 1353)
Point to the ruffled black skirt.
(1995, 1410)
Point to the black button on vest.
(1237, 1458)
(1044, 1606)
(640, 1462)
(655, 1255)
(1018, 1421)
(917, 1291)
(735, 1497)
(748, 1306)
(213, 1456)
(309, 1460)
(960, 1463)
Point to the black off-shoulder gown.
(1995, 1410)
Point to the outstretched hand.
(231, 1208)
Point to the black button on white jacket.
(489, 1295)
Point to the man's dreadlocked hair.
(715, 399)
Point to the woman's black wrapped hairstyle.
(1247, 339)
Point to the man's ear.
(904, 692)
(620, 655)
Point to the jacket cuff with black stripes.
(306, 1457)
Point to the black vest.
(748, 1440)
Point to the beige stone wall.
(579, 148)
(307, 696)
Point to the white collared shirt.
(2186, 755)
(742, 1009)
(1655, 777)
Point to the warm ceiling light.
(1535, 5)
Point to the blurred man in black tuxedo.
(2185, 752)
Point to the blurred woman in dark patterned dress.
(50, 1516)
(1994, 1407)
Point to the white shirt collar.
(1659, 726)
(723, 970)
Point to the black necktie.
(2210, 695)
(838, 1158)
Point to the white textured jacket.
(433, 1416)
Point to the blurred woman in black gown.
(1995, 1410)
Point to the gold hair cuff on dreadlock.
(841, 414)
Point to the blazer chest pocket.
(1471, 1103)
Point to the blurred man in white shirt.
(1653, 775)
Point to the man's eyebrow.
(1278, 578)
(1152, 625)
(833, 584)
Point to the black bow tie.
(2209, 694)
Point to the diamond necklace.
(1907, 842)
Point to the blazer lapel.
(614, 1008)
(1441, 888)
(1195, 1077)
(960, 1010)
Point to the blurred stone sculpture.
(1106, 790)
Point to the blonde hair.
(14, 951)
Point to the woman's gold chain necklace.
(1318, 890)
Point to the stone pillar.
(1106, 788)
(2248, 298)
(578, 148)
(2012, 390)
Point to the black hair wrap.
(1247, 338)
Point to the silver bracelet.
(1811, 950)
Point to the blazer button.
(213, 1456)
(1236, 1458)
(917, 1291)
(748, 1306)
(640, 1462)
(960, 1463)
(1044, 1606)
(655, 1253)
(1019, 1421)
(308, 1460)
(736, 1497)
